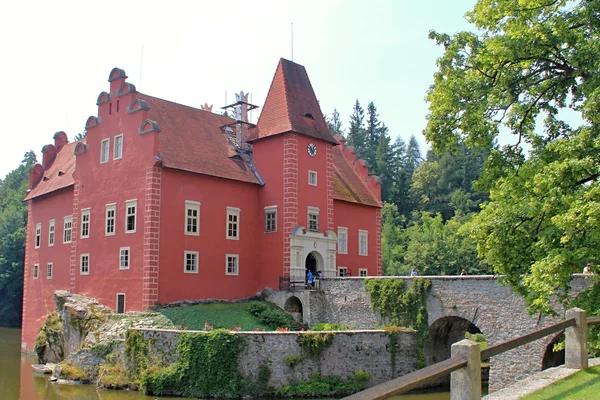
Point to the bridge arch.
(443, 332)
(553, 358)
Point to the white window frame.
(116, 155)
(68, 220)
(81, 257)
(235, 257)
(363, 272)
(193, 253)
(314, 211)
(128, 257)
(362, 233)
(342, 249)
(233, 211)
(104, 151)
(128, 204)
(51, 232)
(38, 235)
(49, 270)
(36, 271)
(340, 269)
(194, 206)
(85, 212)
(117, 303)
(311, 181)
(110, 207)
(270, 210)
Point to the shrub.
(73, 372)
(293, 359)
(318, 386)
(329, 327)
(271, 317)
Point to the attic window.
(60, 173)
(309, 115)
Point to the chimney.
(241, 114)
(48, 155)
(60, 139)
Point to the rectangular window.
(233, 223)
(38, 235)
(51, 232)
(312, 178)
(342, 271)
(124, 258)
(118, 149)
(232, 264)
(363, 243)
(192, 218)
(104, 151)
(49, 268)
(363, 272)
(190, 262)
(85, 223)
(120, 303)
(342, 240)
(313, 219)
(36, 271)
(271, 219)
(68, 224)
(84, 264)
(111, 211)
(130, 216)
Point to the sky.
(55, 57)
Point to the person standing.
(463, 272)
(309, 279)
(414, 272)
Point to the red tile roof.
(291, 105)
(347, 185)
(192, 140)
(63, 163)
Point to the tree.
(335, 123)
(357, 135)
(530, 63)
(80, 136)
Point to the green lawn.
(582, 385)
(219, 315)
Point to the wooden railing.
(464, 365)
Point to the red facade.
(163, 202)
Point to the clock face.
(312, 149)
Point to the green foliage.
(73, 372)
(50, 334)
(136, 352)
(324, 326)
(270, 316)
(478, 338)
(113, 376)
(318, 386)
(589, 300)
(314, 343)
(403, 307)
(293, 359)
(103, 349)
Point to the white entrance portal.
(320, 246)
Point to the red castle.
(164, 202)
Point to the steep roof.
(347, 185)
(291, 106)
(191, 140)
(59, 175)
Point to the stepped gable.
(291, 106)
(351, 180)
(57, 175)
(192, 140)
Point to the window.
(49, 268)
(342, 240)
(111, 211)
(38, 235)
(313, 219)
(190, 262)
(120, 303)
(192, 218)
(271, 219)
(342, 271)
(104, 151)
(85, 223)
(312, 178)
(118, 149)
(363, 242)
(68, 224)
(51, 231)
(363, 272)
(130, 215)
(124, 258)
(233, 223)
(232, 264)
(84, 264)
(36, 271)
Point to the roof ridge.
(185, 105)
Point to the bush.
(293, 359)
(318, 386)
(73, 372)
(271, 317)
(329, 327)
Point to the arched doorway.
(554, 358)
(311, 263)
(293, 305)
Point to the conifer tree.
(356, 133)
(335, 123)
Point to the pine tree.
(357, 134)
(335, 123)
(383, 164)
(373, 128)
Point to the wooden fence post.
(465, 384)
(576, 347)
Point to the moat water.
(18, 381)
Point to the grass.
(218, 315)
(582, 385)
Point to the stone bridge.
(455, 305)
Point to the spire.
(291, 106)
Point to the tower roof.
(291, 106)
